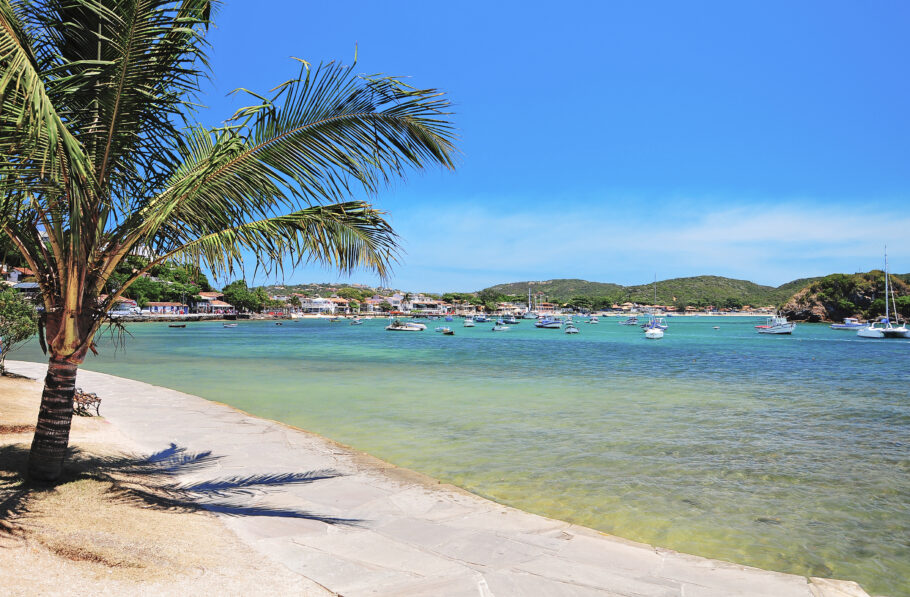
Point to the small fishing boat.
(278, 323)
(593, 319)
(850, 323)
(443, 329)
(230, 325)
(448, 332)
(469, 322)
(356, 321)
(629, 321)
(449, 318)
(481, 318)
(571, 329)
(717, 327)
(511, 320)
(777, 324)
(177, 325)
(500, 326)
(334, 320)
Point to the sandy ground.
(108, 529)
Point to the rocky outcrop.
(837, 296)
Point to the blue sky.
(613, 141)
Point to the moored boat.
(850, 323)
(469, 322)
(883, 328)
(547, 323)
(396, 325)
(571, 329)
(777, 324)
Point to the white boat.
(777, 324)
(529, 314)
(230, 325)
(469, 322)
(594, 319)
(511, 320)
(547, 323)
(500, 326)
(396, 325)
(883, 328)
(655, 322)
(629, 321)
(356, 321)
(850, 323)
(444, 329)
(654, 333)
(571, 329)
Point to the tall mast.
(887, 294)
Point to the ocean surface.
(785, 452)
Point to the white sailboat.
(529, 314)
(883, 328)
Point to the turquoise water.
(789, 453)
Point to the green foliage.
(238, 294)
(698, 291)
(850, 295)
(18, 322)
(385, 306)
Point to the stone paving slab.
(361, 526)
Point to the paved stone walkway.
(359, 526)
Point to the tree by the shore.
(102, 158)
(18, 322)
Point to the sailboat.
(529, 314)
(883, 328)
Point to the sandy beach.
(243, 505)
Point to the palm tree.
(102, 159)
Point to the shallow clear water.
(789, 453)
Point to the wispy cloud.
(768, 245)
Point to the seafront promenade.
(361, 526)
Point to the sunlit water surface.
(788, 453)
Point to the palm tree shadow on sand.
(152, 482)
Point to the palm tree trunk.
(52, 434)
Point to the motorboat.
(448, 332)
(511, 320)
(655, 322)
(449, 318)
(777, 324)
(481, 318)
(593, 319)
(850, 323)
(229, 325)
(629, 321)
(469, 322)
(177, 325)
(571, 329)
(883, 328)
(500, 326)
(396, 325)
(547, 323)
(356, 321)
(443, 329)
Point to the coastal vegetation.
(697, 291)
(837, 296)
(103, 158)
(18, 322)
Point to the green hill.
(557, 290)
(697, 290)
(847, 295)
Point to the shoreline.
(415, 535)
